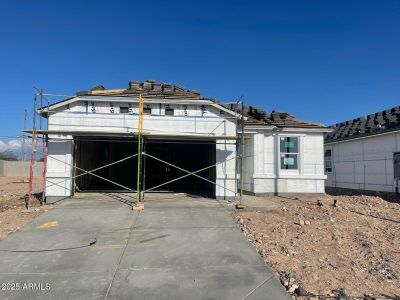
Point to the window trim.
(281, 153)
(325, 160)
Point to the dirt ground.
(13, 214)
(321, 248)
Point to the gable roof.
(373, 124)
(150, 89)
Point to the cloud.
(15, 146)
(12, 145)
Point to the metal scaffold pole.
(45, 151)
(32, 159)
(144, 167)
(140, 128)
(44, 148)
(41, 107)
(237, 144)
(241, 155)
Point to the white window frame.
(325, 160)
(298, 153)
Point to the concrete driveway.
(179, 247)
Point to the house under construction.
(157, 136)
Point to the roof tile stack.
(275, 118)
(147, 88)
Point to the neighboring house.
(98, 128)
(362, 153)
(285, 155)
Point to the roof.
(257, 116)
(160, 90)
(373, 124)
(151, 88)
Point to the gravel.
(321, 248)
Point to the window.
(169, 111)
(147, 110)
(328, 161)
(203, 110)
(289, 150)
(124, 110)
(396, 165)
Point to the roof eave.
(287, 128)
(43, 111)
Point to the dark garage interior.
(187, 154)
(95, 153)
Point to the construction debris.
(354, 246)
(240, 206)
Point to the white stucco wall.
(263, 174)
(248, 163)
(205, 121)
(225, 169)
(101, 116)
(365, 163)
(59, 166)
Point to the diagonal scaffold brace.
(194, 173)
(91, 172)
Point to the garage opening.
(91, 154)
(189, 155)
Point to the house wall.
(225, 169)
(264, 175)
(92, 116)
(105, 116)
(59, 166)
(364, 164)
(248, 163)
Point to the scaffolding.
(141, 155)
(140, 143)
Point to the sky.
(322, 61)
